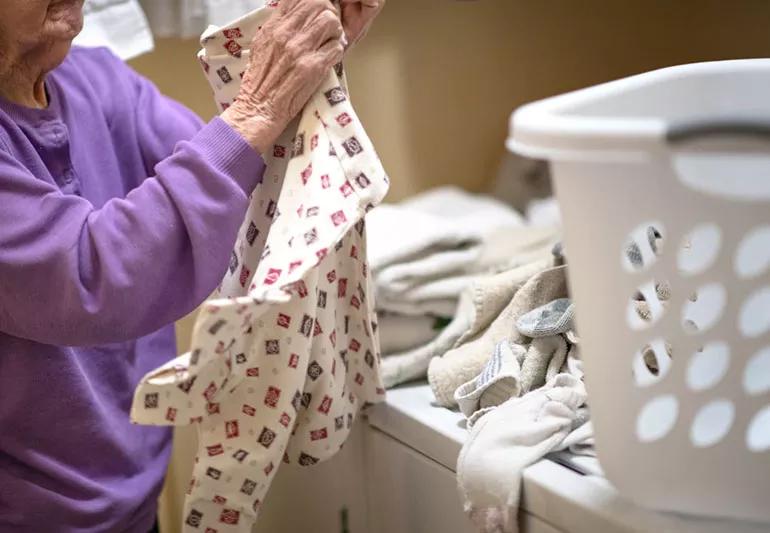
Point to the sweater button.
(56, 133)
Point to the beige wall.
(436, 80)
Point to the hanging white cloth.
(120, 25)
(188, 18)
(127, 27)
(220, 12)
(176, 18)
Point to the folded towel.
(445, 218)
(433, 284)
(479, 305)
(426, 250)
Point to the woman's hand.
(290, 56)
(357, 17)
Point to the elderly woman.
(118, 211)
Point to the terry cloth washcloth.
(478, 307)
(544, 359)
(553, 318)
(499, 382)
(471, 352)
(287, 351)
(502, 379)
(513, 436)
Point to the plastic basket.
(664, 184)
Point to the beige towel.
(438, 293)
(525, 289)
(525, 252)
(513, 436)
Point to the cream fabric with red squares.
(287, 352)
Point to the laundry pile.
(508, 358)
(527, 401)
(524, 397)
(429, 255)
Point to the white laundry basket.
(664, 181)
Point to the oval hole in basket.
(708, 366)
(754, 319)
(704, 308)
(648, 304)
(737, 176)
(657, 418)
(753, 255)
(712, 423)
(642, 246)
(758, 434)
(756, 375)
(651, 363)
(699, 249)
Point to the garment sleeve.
(161, 122)
(71, 274)
(137, 110)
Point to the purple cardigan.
(97, 260)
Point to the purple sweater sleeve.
(71, 274)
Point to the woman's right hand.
(290, 56)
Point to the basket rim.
(553, 128)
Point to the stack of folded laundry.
(427, 253)
(475, 297)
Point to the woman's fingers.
(285, 6)
(325, 27)
(358, 15)
(305, 12)
(330, 54)
(290, 56)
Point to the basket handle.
(688, 130)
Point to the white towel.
(507, 440)
(188, 18)
(177, 18)
(425, 250)
(120, 25)
(442, 219)
(479, 305)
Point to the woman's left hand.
(357, 17)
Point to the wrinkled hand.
(289, 58)
(357, 17)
